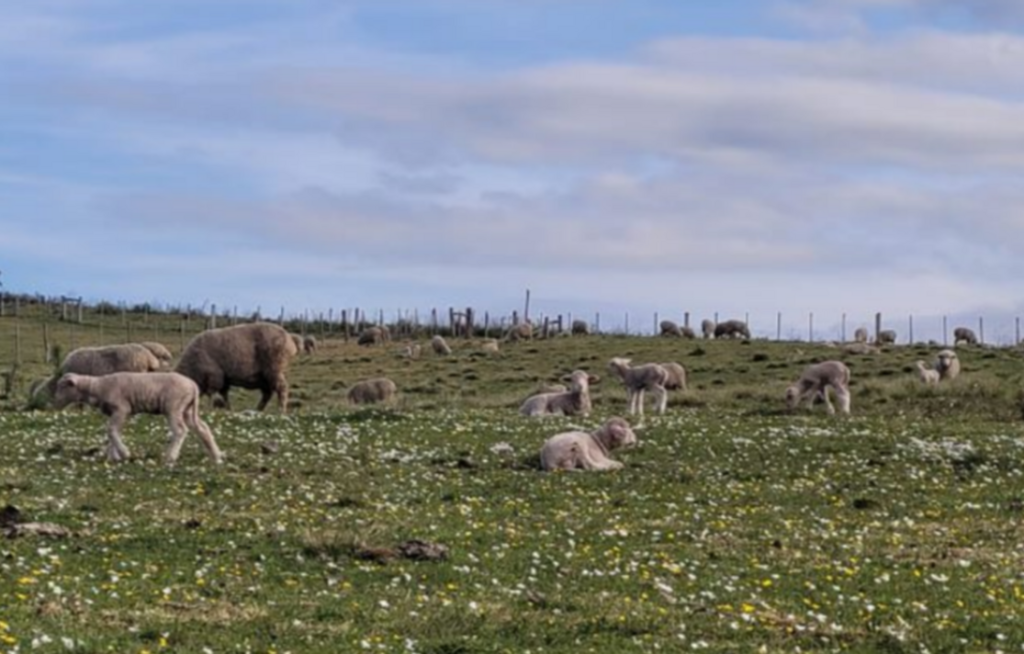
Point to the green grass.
(734, 527)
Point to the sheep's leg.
(178, 434)
(828, 403)
(843, 395)
(116, 450)
(590, 460)
(205, 435)
(638, 403)
(662, 399)
(265, 395)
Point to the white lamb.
(816, 381)
(573, 402)
(440, 346)
(648, 377)
(579, 449)
(948, 365)
(123, 394)
(927, 375)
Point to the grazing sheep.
(676, 376)
(670, 328)
(574, 402)
(648, 377)
(297, 339)
(440, 346)
(580, 327)
(121, 395)
(948, 365)
(964, 335)
(96, 361)
(521, 332)
(732, 329)
(490, 345)
(707, 328)
(372, 391)
(160, 351)
(374, 336)
(252, 355)
(588, 451)
(886, 337)
(309, 344)
(926, 374)
(860, 335)
(688, 332)
(815, 382)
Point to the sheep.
(732, 329)
(948, 365)
(160, 351)
(519, 332)
(588, 451)
(575, 401)
(410, 351)
(372, 391)
(121, 395)
(676, 376)
(130, 357)
(253, 355)
(964, 335)
(860, 348)
(297, 339)
(649, 377)
(374, 336)
(886, 337)
(440, 346)
(670, 328)
(707, 328)
(860, 335)
(309, 344)
(926, 374)
(490, 345)
(580, 327)
(815, 382)
(688, 332)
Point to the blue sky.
(826, 156)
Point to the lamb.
(588, 451)
(732, 329)
(121, 395)
(440, 346)
(964, 335)
(860, 348)
(253, 355)
(948, 365)
(490, 345)
(860, 335)
(372, 391)
(309, 344)
(707, 328)
(676, 376)
(886, 336)
(649, 377)
(297, 339)
(815, 382)
(926, 374)
(160, 351)
(580, 327)
(575, 401)
(410, 351)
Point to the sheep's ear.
(66, 381)
(594, 379)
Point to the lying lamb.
(440, 346)
(649, 377)
(578, 449)
(123, 394)
(573, 402)
(926, 374)
(815, 382)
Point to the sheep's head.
(792, 397)
(68, 391)
(618, 434)
(618, 364)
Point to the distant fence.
(68, 322)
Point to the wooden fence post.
(878, 325)
(910, 326)
(981, 330)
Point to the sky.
(629, 157)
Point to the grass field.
(734, 527)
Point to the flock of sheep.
(122, 380)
